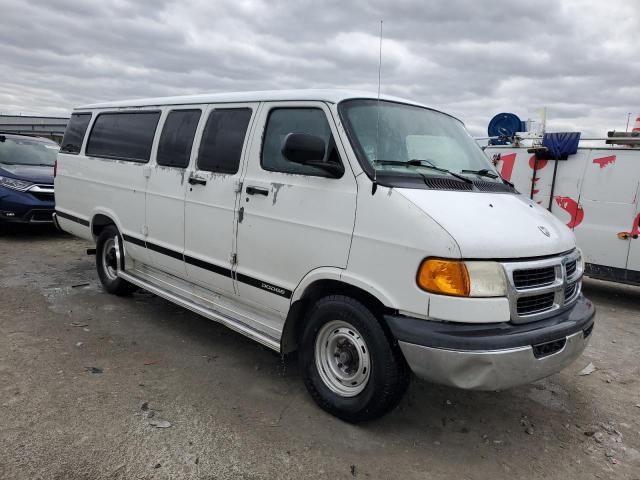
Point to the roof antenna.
(374, 187)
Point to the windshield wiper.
(483, 172)
(414, 162)
(488, 173)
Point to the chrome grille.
(570, 291)
(42, 192)
(541, 288)
(535, 303)
(571, 268)
(534, 277)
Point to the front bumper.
(24, 207)
(493, 356)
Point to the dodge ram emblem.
(544, 230)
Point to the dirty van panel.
(211, 196)
(295, 217)
(166, 190)
(118, 147)
(608, 211)
(633, 261)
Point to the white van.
(371, 235)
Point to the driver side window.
(283, 121)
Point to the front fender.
(344, 276)
(321, 273)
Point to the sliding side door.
(166, 188)
(212, 196)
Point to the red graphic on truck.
(635, 231)
(604, 161)
(536, 164)
(508, 162)
(572, 207)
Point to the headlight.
(462, 279)
(487, 279)
(20, 185)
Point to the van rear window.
(124, 136)
(222, 140)
(74, 133)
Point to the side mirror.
(303, 148)
(309, 150)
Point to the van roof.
(325, 95)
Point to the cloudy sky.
(472, 58)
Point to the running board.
(202, 310)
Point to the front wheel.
(107, 263)
(351, 367)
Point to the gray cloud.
(470, 58)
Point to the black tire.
(388, 376)
(111, 283)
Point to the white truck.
(595, 192)
(370, 234)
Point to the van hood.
(31, 173)
(494, 225)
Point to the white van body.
(255, 249)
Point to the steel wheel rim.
(109, 259)
(342, 358)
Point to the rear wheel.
(351, 367)
(107, 262)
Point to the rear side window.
(283, 121)
(74, 133)
(222, 140)
(177, 136)
(124, 136)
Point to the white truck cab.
(370, 234)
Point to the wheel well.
(314, 292)
(99, 223)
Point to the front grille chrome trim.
(558, 286)
(41, 188)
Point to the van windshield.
(410, 140)
(25, 151)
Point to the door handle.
(251, 190)
(197, 181)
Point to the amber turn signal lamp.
(446, 277)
